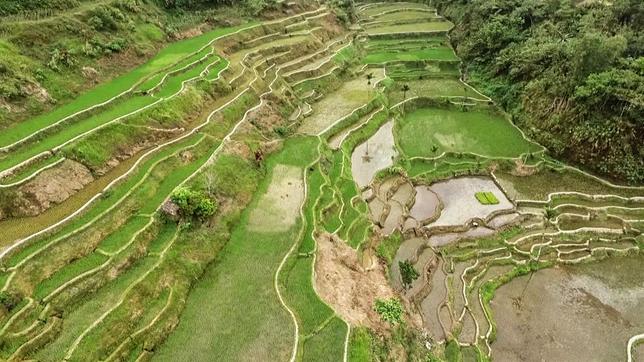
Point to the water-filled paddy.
(375, 154)
(580, 313)
(460, 204)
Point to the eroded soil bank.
(573, 313)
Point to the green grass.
(327, 344)
(120, 237)
(377, 9)
(166, 57)
(90, 309)
(296, 283)
(168, 230)
(67, 273)
(119, 109)
(432, 87)
(360, 345)
(486, 198)
(431, 26)
(315, 180)
(234, 305)
(388, 247)
(451, 130)
(439, 53)
(105, 202)
(405, 15)
(539, 185)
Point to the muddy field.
(581, 313)
(374, 155)
(460, 204)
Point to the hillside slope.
(571, 75)
(51, 51)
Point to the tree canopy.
(571, 73)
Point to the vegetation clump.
(390, 310)
(193, 205)
(486, 198)
(569, 72)
(9, 300)
(407, 272)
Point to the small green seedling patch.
(486, 198)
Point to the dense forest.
(570, 73)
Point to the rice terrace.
(311, 180)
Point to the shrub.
(193, 204)
(390, 310)
(407, 272)
(9, 300)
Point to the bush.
(390, 310)
(193, 204)
(9, 300)
(407, 272)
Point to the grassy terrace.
(451, 130)
(121, 282)
(434, 87)
(438, 53)
(405, 15)
(250, 259)
(165, 58)
(428, 26)
(385, 7)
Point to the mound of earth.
(342, 281)
(52, 187)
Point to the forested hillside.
(51, 50)
(571, 73)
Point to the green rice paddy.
(450, 130)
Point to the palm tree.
(405, 89)
(369, 78)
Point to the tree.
(369, 78)
(193, 205)
(408, 273)
(405, 88)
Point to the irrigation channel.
(334, 155)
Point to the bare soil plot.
(278, 209)
(341, 103)
(375, 154)
(342, 281)
(459, 202)
(581, 313)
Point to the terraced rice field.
(324, 157)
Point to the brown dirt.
(189, 33)
(53, 186)
(351, 290)
(521, 169)
(267, 117)
(36, 91)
